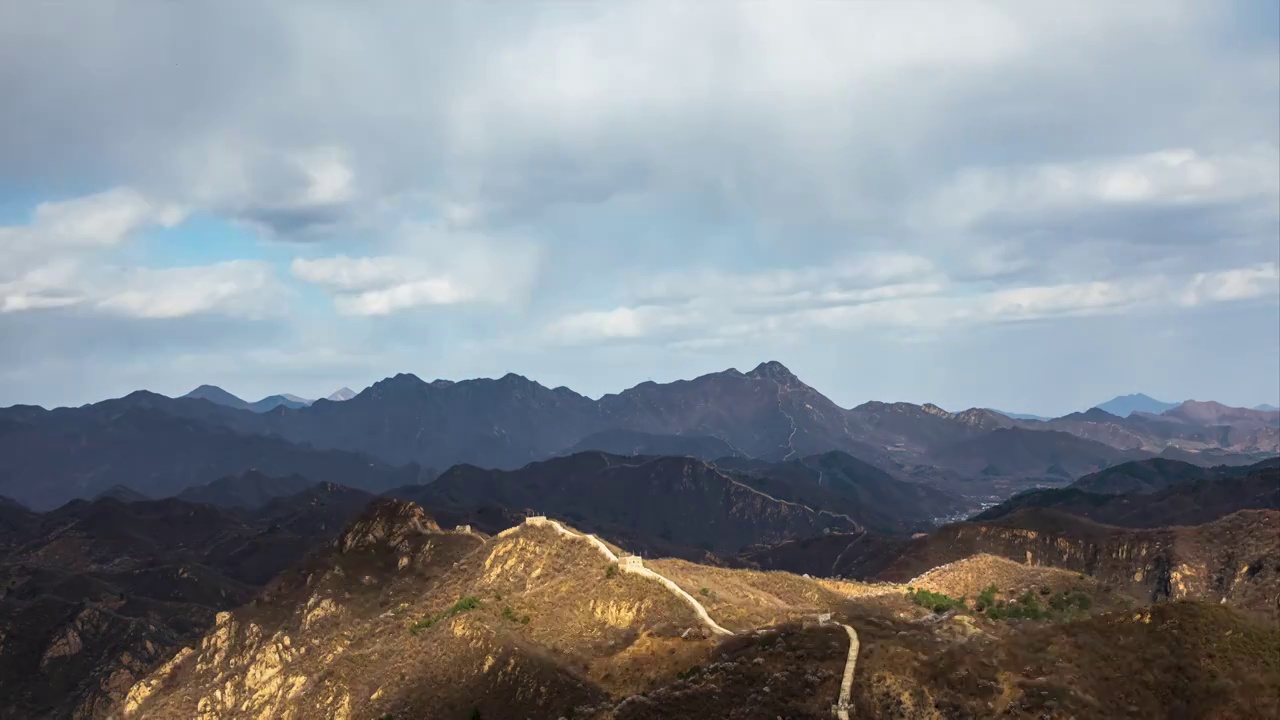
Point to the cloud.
(80, 224)
(718, 177)
(1170, 177)
(60, 259)
(240, 288)
(436, 268)
(716, 320)
(1239, 284)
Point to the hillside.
(841, 483)
(93, 594)
(633, 442)
(1162, 494)
(1026, 453)
(404, 619)
(250, 490)
(150, 450)
(676, 505)
(1229, 560)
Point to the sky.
(1031, 206)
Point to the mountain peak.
(215, 394)
(341, 394)
(399, 382)
(773, 370)
(1124, 405)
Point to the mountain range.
(217, 395)
(403, 430)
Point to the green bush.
(986, 598)
(463, 605)
(610, 571)
(936, 602)
(510, 614)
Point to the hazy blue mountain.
(215, 394)
(271, 402)
(218, 396)
(1123, 405)
(1020, 416)
(1266, 407)
(343, 393)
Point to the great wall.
(635, 565)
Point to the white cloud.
(1239, 284)
(82, 224)
(855, 272)
(64, 257)
(713, 321)
(241, 288)
(1168, 177)
(435, 268)
(403, 296)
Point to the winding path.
(846, 684)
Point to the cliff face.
(1232, 560)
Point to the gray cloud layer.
(656, 189)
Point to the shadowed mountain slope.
(675, 504)
(60, 456)
(1159, 493)
(633, 442)
(95, 593)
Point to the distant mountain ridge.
(1156, 492)
(1125, 405)
(217, 395)
(508, 422)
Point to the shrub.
(987, 598)
(509, 614)
(937, 602)
(524, 619)
(705, 591)
(463, 605)
(610, 571)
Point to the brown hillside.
(402, 619)
(1231, 560)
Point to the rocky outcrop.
(1231, 560)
